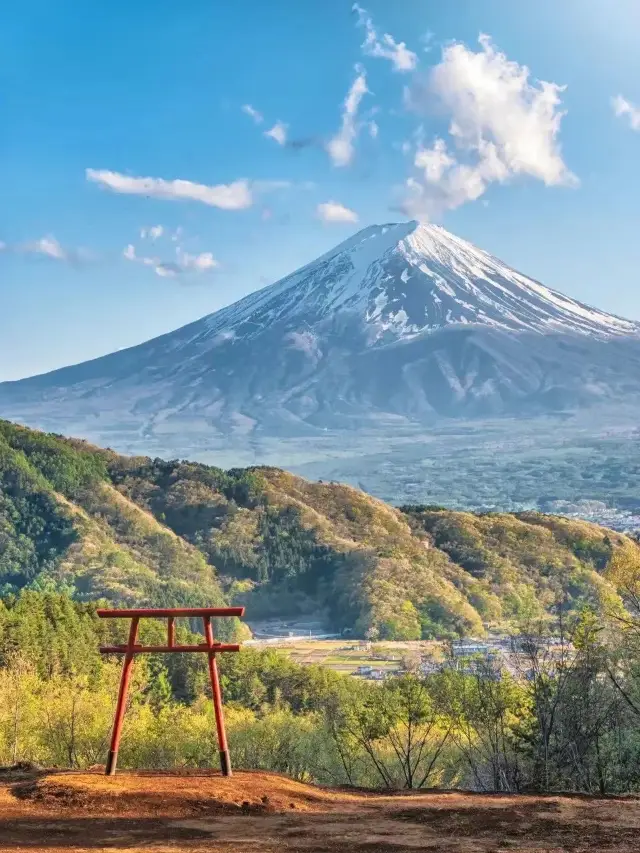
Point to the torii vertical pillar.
(211, 647)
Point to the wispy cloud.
(167, 269)
(50, 248)
(341, 147)
(278, 132)
(623, 108)
(47, 246)
(199, 263)
(152, 232)
(333, 211)
(387, 47)
(426, 39)
(234, 196)
(238, 195)
(184, 263)
(129, 253)
(253, 113)
(502, 125)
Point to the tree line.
(563, 716)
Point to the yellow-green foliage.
(65, 721)
(391, 572)
(104, 544)
(524, 563)
(137, 530)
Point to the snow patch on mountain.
(407, 278)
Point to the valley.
(364, 660)
(584, 466)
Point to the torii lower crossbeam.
(211, 647)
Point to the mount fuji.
(400, 324)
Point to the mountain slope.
(400, 324)
(147, 531)
(61, 519)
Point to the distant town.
(489, 657)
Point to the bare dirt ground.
(197, 812)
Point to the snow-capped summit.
(401, 322)
(405, 279)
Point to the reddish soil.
(197, 812)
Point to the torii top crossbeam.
(211, 647)
(160, 613)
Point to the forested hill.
(145, 531)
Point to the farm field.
(347, 656)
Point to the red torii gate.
(211, 647)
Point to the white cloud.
(492, 101)
(373, 129)
(502, 125)
(434, 162)
(426, 39)
(50, 247)
(332, 211)
(622, 107)
(200, 263)
(253, 113)
(278, 132)
(340, 148)
(167, 269)
(47, 246)
(234, 196)
(130, 253)
(397, 53)
(204, 262)
(153, 232)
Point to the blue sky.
(545, 178)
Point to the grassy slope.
(141, 530)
